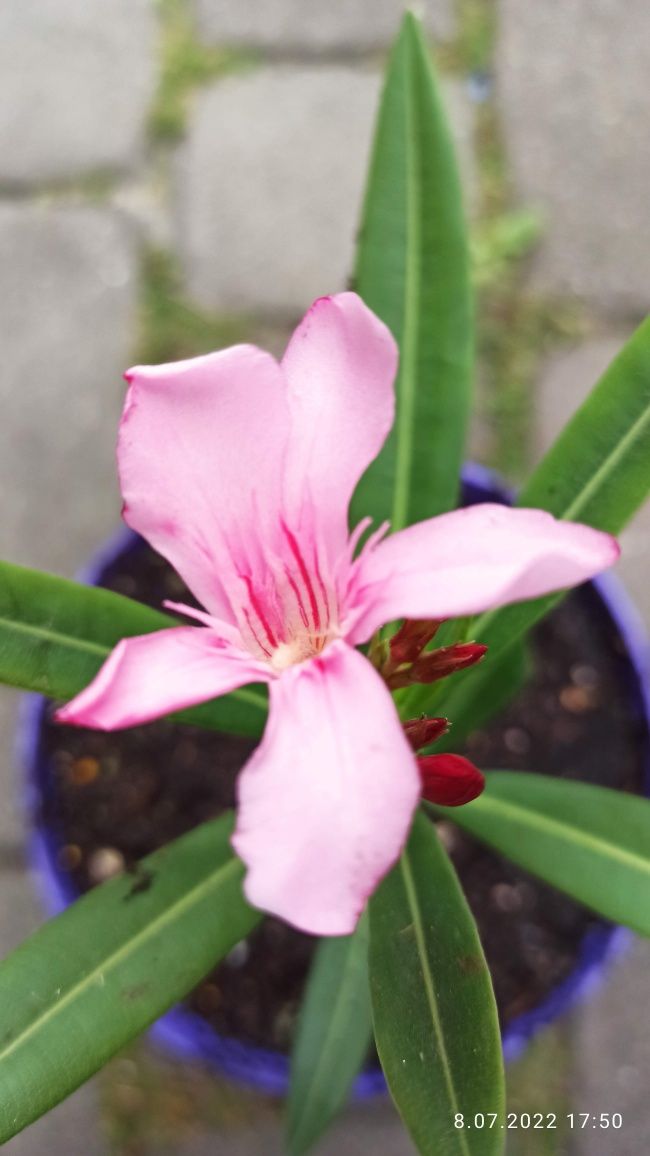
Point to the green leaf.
(592, 842)
(89, 981)
(333, 1037)
(435, 1017)
(55, 635)
(597, 472)
(413, 271)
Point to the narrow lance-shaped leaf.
(90, 980)
(592, 842)
(333, 1037)
(597, 472)
(435, 1017)
(413, 271)
(55, 634)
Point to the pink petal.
(326, 801)
(200, 452)
(340, 367)
(472, 560)
(154, 674)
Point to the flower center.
(289, 612)
(299, 649)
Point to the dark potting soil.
(117, 797)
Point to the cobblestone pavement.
(182, 173)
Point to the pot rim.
(185, 1033)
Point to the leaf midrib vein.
(412, 287)
(69, 641)
(597, 481)
(167, 916)
(610, 463)
(429, 988)
(542, 822)
(323, 1061)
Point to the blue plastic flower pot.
(186, 1034)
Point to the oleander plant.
(359, 625)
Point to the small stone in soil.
(69, 857)
(577, 699)
(104, 864)
(239, 955)
(517, 740)
(506, 898)
(82, 771)
(584, 675)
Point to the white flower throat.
(289, 613)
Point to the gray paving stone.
(612, 1059)
(76, 80)
(67, 280)
(73, 1128)
(270, 180)
(566, 381)
(67, 288)
(360, 1130)
(11, 812)
(212, 1116)
(20, 909)
(575, 101)
(290, 25)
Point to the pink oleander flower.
(239, 470)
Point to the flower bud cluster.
(408, 663)
(447, 779)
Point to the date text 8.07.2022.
(539, 1120)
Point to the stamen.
(375, 538)
(192, 612)
(356, 536)
(355, 572)
(225, 630)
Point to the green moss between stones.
(186, 64)
(515, 329)
(170, 328)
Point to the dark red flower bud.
(420, 732)
(440, 663)
(449, 780)
(411, 639)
